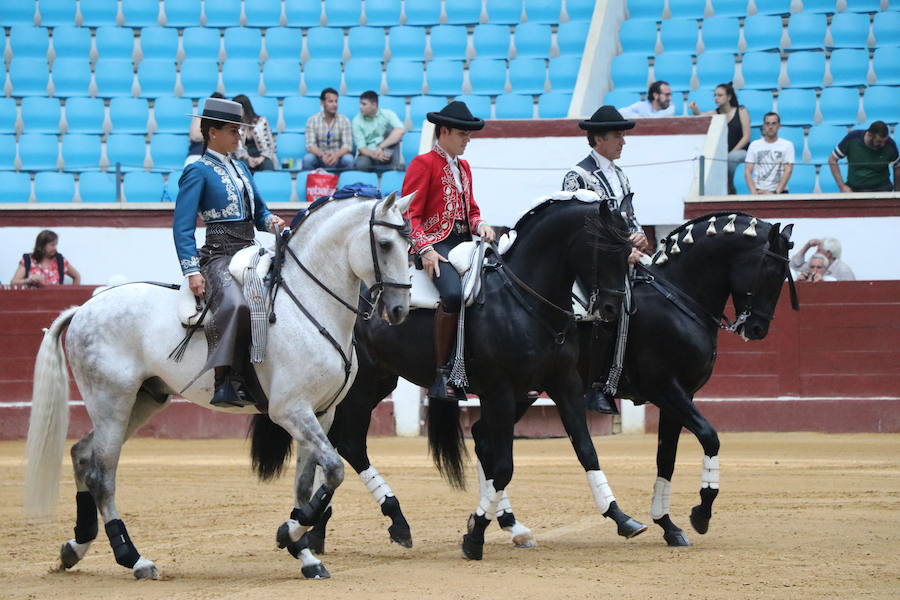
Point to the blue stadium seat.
(720, 34)
(303, 13)
(127, 149)
(571, 37)
(463, 12)
(72, 42)
(392, 181)
(241, 76)
(580, 10)
(292, 146)
(805, 69)
(762, 32)
(201, 43)
(156, 77)
(41, 114)
(407, 42)
(366, 42)
(881, 104)
(128, 115)
(8, 115)
(827, 184)
(382, 13)
(704, 97)
(714, 68)
(159, 43)
(349, 177)
(448, 42)
(532, 40)
(98, 13)
(820, 6)
(17, 13)
(638, 37)
(410, 145)
(620, 98)
(679, 35)
(16, 187)
(886, 64)
(629, 73)
(480, 106)
(675, 68)
(182, 13)
(886, 28)
(273, 186)
(761, 70)
(199, 77)
(115, 42)
(554, 105)
(420, 106)
(321, 73)
(171, 189)
(866, 6)
(325, 42)
(773, 7)
(7, 152)
(28, 42)
(114, 77)
(97, 187)
(168, 112)
(687, 9)
(263, 13)
(54, 187)
(282, 77)
(81, 152)
(822, 140)
(71, 77)
(283, 43)
(514, 106)
(839, 106)
(363, 74)
(797, 107)
(803, 177)
(243, 43)
(807, 31)
(758, 103)
(265, 107)
(492, 41)
(795, 136)
(296, 110)
(646, 9)
(223, 13)
(849, 67)
(167, 150)
(57, 12)
(140, 13)
(422, 12)
(398, 105)
(29, 76)
(140, 186)
(849, 30)
(445, 77)
(528, 75)
(543, 11)
(343, 13)
(487, 76)
(83, 115)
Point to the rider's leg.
(232, 322)
(446, 318)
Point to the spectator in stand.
(195, 138)
(868, 155)
(770, 160)
(738, 120)
(817, 270)
(377, 133)
(257, 147)
(830, 248)
(328, 140)
(657, 104)
(44, 266)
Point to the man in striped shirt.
(329, 142)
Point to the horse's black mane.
(705, 218)
(605, 236)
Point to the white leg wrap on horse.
(487, 507)
(603, 495)
(295, 529)
(307, 558)
(79, 549)
(376, 484)
(662, 491)
(709, 477)
(504, 506)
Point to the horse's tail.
(270, 446)
(445, 440)
(49, 420)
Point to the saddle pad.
(187, 306)
(424, 294)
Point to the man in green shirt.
(868, 154)
(377, 133)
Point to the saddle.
(464, 258)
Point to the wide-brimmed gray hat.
(222, 110)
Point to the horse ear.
(404, 202)
(776, 228)
(787, 231)
(388, 202)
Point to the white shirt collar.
(220, 157)
(604, 163)
(453, 161)
(229, 167)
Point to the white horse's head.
(379, 256)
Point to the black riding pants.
(449, 284)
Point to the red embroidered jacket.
(438, 203)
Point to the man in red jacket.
(442, 215)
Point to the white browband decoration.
(603, 495)
(751, 230)
(709, 477)
(688, 236)
(662, 491)
(376, 484)
(729, 227)
(711, 230)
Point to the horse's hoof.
(317, 571)
(472, 549)
(524, 540)
(699, 521)
(630, 528)
(144, 569)
(71, 553)
(288, 532)
(470, 524)
(676, 538)
(400, 535)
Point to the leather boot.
(229, 389)
(598, 402)
(444, 336)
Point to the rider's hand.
(487, 233)
(635, 256)
(197, 284)
(639, 241)
(431, 261)
(276, 224)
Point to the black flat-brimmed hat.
(223, 110)
(607, 118)
(456, 115)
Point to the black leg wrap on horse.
(124, 550)
(702, 513)
(310, 513)
(399, 528)
(626, 526)
(506, 520)
(86, 525)
(673, 534)
(316, 534)
(473, 542)
(296, 547)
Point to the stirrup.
(442, 390)
(598, 402)
(229, 394)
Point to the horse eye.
(385, 245)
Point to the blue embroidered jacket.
(206, 189)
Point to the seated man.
(328, 141)
(868, 155)
(770, 160)
(830, 248)
(657, 104)
(377, 133)
(816, 271)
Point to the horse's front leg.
(668, 434)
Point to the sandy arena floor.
(799, 516)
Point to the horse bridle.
(748, 310)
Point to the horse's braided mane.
(705, 218)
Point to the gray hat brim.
(220, 120)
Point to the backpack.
(60, 265)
